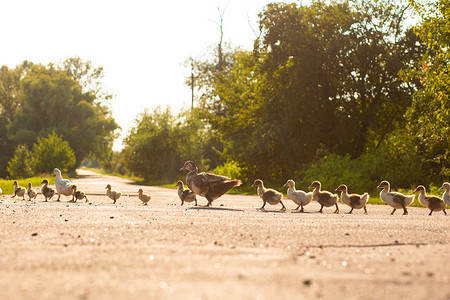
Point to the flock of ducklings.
(213, 186)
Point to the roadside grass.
(8, 188)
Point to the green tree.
(429, 115)
(20, 164)
(55, 102)
(52, 152)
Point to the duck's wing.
(435, 203)
(355, 200)
(211, 178)
(398, 198)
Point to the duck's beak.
(441, 188)
(379, 186)
(183, 168)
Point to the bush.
(230, 169)
(20, 165)
(52, 152)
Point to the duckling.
(1, 191)
(31, 192)
(185, 194)
(18, 190)
(47, 191)
(299, 197)
(446, 195)
(78, 195)
(268, 195)
(145, 198)
(432, 202)
(353, 200)
(324, 198)
(114, 195)
(394, 199)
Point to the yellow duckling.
(114, 195)
(270, 196)
(31, 192)
(78, 195)
(353, 200)
(18, 190)
(324, 198)
(186, 195)
(47, 191)
(394, 199)
(432, 202)
(145, 198)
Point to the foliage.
(20, 164)
(36, 100)
(429, 114)
(52, 152)
(324, 75)
(230, 169)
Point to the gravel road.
(61, 250)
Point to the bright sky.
(141, 44)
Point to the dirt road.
(231, 251)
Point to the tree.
(52, 152)
(55, 102)
(323, 76)
(20, 165)
(429, 114)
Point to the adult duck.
(353, 200)
(446, 195)
(186, 195)
(210, 186)
(47, 191)
(433, 203)
(394, 199)
(18, 190)
(325, 198)
(63, 186)
(299, 197)
(270, 196)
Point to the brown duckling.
(78, 195)
(271, 196)
(114, 195)
(18, 190)
(47, 191)
(186, 195)
(207, 185)
(324, 198)
(145, 198)
(433, 203)
(31, 192)
(353, 200)
(394, 199)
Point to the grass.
(8, 188)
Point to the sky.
(142, 45)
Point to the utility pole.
(192, 84)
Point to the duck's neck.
(261, 190)
(316, 190)
(422, 197)
(58, 176)
(344, 196)
(180, 191)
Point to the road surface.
(230, 251)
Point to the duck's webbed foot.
(351, 211)
(337, 209)
(405, 212)
(284, 207)
(365, 210)
(393, 211)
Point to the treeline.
(52, 115)
(341, 92)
